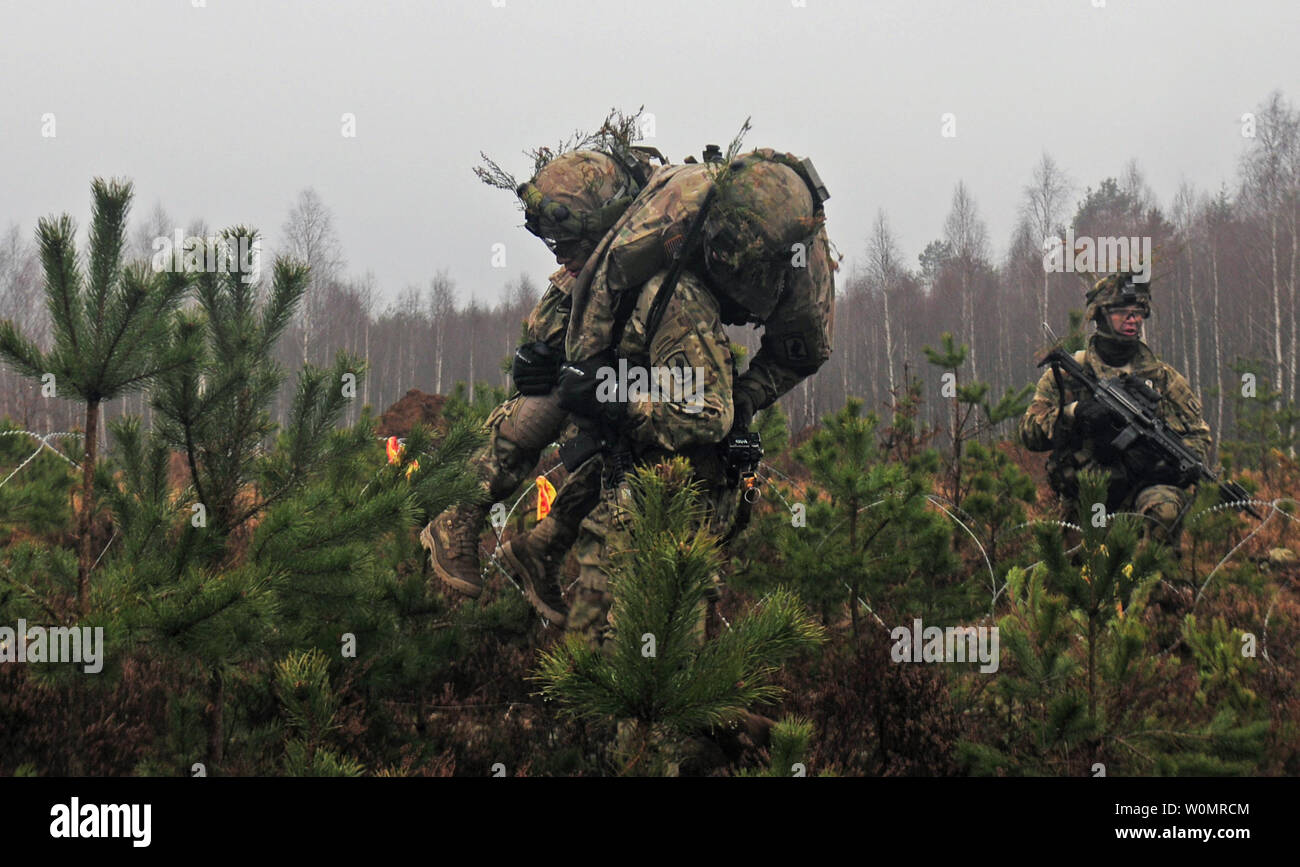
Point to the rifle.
(1133, 404)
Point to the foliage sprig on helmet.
(581, 187)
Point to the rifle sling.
(627, 303)
(1060, 393)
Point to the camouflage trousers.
(1160, 505)
(604, 533)
(1161, 508)
(518, 430)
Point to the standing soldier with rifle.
(1116, 408)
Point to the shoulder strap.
(627, 303)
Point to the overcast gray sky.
(225, 112)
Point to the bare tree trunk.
(968, 311)
(306, 324)
(87, 505)
(1180, 337)
(1291, 299)
(889, 338)
(365, 389)
(216, 719)
(844, 371)
(1195, 372)
(1218, 346)
(1042, 313)
(1278, 383)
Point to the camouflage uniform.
(797, 317)
(797, 335)
(521, 427)
(587, 191)
(1043, 428)
(797, 332)
(635, 249)
(691, 335)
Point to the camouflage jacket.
(549, 321)
(1042, 428)
(688, 365)
(633, 250)
(797, 336)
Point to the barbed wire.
(43, 442)
(1274, 510)
(950, 510)
(1273, 505)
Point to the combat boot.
(536, 559)
(452, 541)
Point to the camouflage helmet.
(1116, 290)
(576, 196)
(762, 207)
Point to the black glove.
(743, 415)
(1090, 416)
(1186, 478)
(1147, 468)
(577, 390)
(535, 368)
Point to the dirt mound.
(414, 406)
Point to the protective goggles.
(1126, 313)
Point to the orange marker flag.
(394, 449)
(545, 497)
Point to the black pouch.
(741, 452)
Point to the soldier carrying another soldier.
(760, 256)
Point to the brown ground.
(414, 406)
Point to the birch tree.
(967, 236)
(1045, 201)
(884, 262)
(309, 237)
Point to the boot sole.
(456, 583)
(513, 563)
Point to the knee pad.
(533, 423)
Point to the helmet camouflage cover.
(762, 209)
(576, 196)
(1116, 290)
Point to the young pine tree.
(279, 531)
(656, 672)
(965, 399)
(862, 530)
(1084, 688)
(110, 331)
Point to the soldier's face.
(571, 255)
(1126, 321)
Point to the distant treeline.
(1224, 293)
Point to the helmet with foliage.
(1116, 290)
(580, 188)
(576, 197)
(763, 206)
